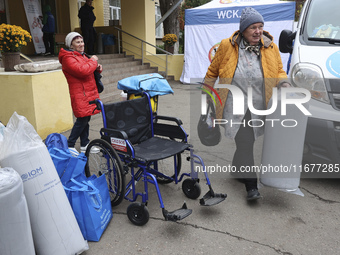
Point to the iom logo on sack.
(32, 174)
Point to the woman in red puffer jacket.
(78, 70)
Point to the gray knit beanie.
(249, 16)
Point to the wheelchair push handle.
(94, 101)
(97, 102)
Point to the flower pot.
(170, 48)
(9, 60)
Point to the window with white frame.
(115, 10)
(159, 29)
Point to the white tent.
(207, 25)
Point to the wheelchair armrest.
(169, 130)
(177, 120)
(115, 133)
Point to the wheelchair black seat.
(157, 148)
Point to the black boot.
(253, 194)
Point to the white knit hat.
(69, 38)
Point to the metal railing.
(141, 51)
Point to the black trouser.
(89, 38)
(244, 154)
(81, 128)
(48, 39)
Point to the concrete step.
(110, 56)
(115, 60)
(108, 81)
(121, 64)
(110, 73)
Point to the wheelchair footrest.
(211, 198)
(178, 214)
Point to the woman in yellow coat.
(249, 60)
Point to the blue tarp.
(153, 83)
(108, 39)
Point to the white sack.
(54, 226)
(39, 66)
(14, 218)
(283, 147)
(2, 127)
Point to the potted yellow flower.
(12, 38)
(169, 41)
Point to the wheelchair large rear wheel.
(167, 167)
(103, 159)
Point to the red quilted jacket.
(78, 70)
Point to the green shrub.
(158, 51)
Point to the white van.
(315, 65)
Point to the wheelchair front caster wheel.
(191, 188)
(138, 214)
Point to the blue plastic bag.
(67, 165)
(108, 39)
(91, 204)
(56, 140)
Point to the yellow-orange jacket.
(225, 62)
